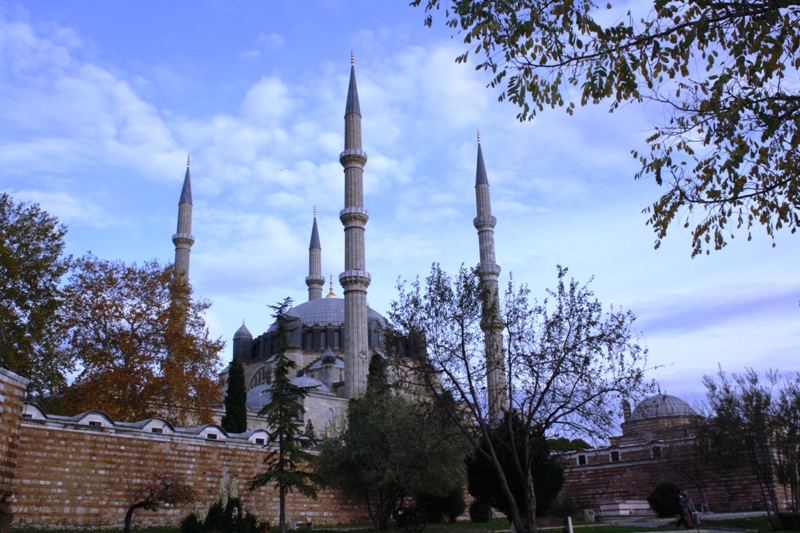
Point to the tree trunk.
(282, 519)
(129, 515)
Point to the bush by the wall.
(225, 515)
(443, 508)
(564, 507)
(664, 499)
(790, 521)
(480, 512)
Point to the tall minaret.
(184, 239)
(355, 278)
(489, 272)
(315, 280)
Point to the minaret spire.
(355, 279)
(489, 272)
(184, 239)
(315, 280)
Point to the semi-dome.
(661, 405)
(323, 312)
(258, 397)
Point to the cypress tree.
(235, 419)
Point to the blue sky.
(100, 102)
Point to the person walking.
(5, 514)
(683, 508)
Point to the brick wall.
(12, 394)
(83, 477)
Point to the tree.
(285, 460)
(141, 342)
(32, 263)
(567, 363)
(752, 426)
(547, 470)
(722, 74)
(226, 514)
(235, 419)
(392, 446)
(162, 488)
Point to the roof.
(480, 172)
(352, 95)
(186, 193)
(660, 406)
(309, 382)
(314, 237)
(242, 333)
(323, 312)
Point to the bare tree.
(162, 488)
(568, 364)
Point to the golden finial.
(315, 211)
(331, 294)
(479, 136)
(352, 58)
(188, 160)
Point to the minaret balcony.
(184, 239)
(353, 158)
(484, 222)
(353, 217)
(355, 279)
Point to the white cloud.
(272, 40)
(250, 54)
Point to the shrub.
(225, 515)
(441, 508)
(480, 512)
(664, 499)
(790, 521)
(564, 507)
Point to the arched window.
(323, 340)
(330, 417)
(310, 340)
(337, 340)
(262, 377)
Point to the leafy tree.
(751, 428)
(141, 342)
(568, 364)
(285, 460)
(722, 74)
(547, 471)
(392, 447)
(32, 263)
(235, 419)
(162, 488)
(563, 444)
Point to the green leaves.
(721, 72)
(32, 263)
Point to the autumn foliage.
(141, 342)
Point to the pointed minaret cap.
(242, 332)
(480, 173)
(352, 92)
(315, 235)
(186, 193)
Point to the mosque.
(332, 339)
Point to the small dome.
(306, 381)
(242, 333)
(328, 358)
(661, 405)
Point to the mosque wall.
(12, 392)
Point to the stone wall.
(12, 394)
(70, 477)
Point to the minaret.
(315, 280)
(489, 271)
(355, 278)
(184, 239)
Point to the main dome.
(661, 405)
(324, 312)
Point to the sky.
(101, 102)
